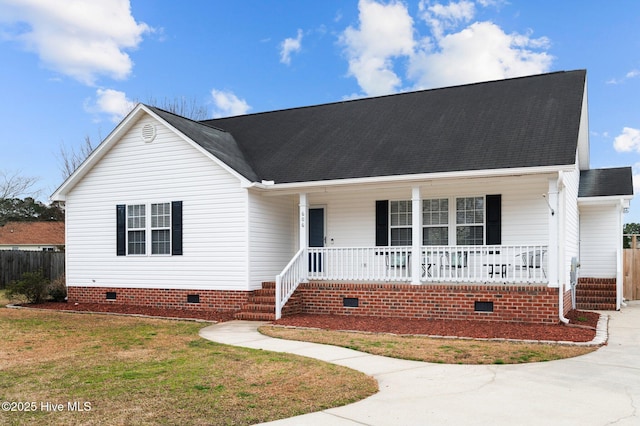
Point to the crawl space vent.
(148, 133)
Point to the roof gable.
(522, 122)
(32, 233)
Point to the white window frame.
(136, 223)
(427, 224)
(147, 224)
(165, 227)
(407, 214)
(466, 221)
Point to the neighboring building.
(32, 236)
(474, 202)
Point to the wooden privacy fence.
(631, 265)
(14, 263)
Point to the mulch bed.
(582, 328)
(217, 316)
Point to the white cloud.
(289, 46)
(80, 39)
(456, 50)
(228, 104)
(628, 140)
(386, 32)
(111, 102)
(480, 52)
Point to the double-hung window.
(161, 228)
(154, 228)
(136, 229)
(470, 221)
(435, 222)
(400, 223)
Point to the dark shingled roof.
(521, 122)
(218, 142)
(606, 182)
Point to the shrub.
(31, 286)
(58, 289)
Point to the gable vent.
(148, 133)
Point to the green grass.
(441, 351)
(146, 371)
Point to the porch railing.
(474, 264)
(289, 279)
(508, 264)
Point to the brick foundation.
(523, 304)
(218, 300)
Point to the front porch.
(455, 269)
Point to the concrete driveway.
(600, 388)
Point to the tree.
(70, 159)
(14, 184)
(629, 229)
(28, 210)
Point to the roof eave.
(315, 185)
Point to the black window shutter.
(382, 223)
(176, 228)
(121, 232)
(494, 219)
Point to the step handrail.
(288, 280)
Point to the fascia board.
(608, 200)
(321, 185)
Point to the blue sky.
(71, 68)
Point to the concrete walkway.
(600, 388)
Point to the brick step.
(595, 297)
(258, 307)
(265, 300)
(256, 316)
(264, 292)
(596, 306)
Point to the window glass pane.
(136, 243)
(161, 215)
(136, 216)
(160, 241)
(401, 237)
(470, 235)
(435, 236)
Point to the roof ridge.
(389, 95)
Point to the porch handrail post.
(416, 235)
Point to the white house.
(475, 201)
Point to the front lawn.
(111, 370)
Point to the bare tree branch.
(70, 159)
(14, 185)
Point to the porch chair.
(533, 259)
(454, 261)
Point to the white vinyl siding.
(571, 223)
(169, 168)
(599, 236)
(272, 234)
(351, 214)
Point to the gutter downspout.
(557, 223)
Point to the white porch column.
(553, 213)
(302, 221)
(303, 213)
(416, 236)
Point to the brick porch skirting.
(522, 304)
(216, 300)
